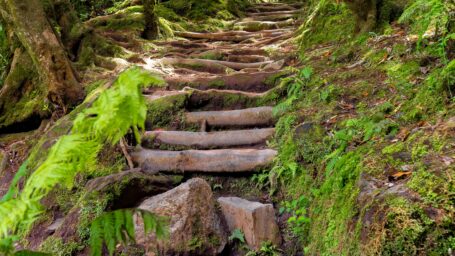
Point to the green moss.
(332, 23)
(56, 246)
(401, 73)
(393, 148)
(164, 111)
(217, 83)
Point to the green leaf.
(237, 234)
(306, 73)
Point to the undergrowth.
(116, 111)
(354, 139)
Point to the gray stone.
(195, 227)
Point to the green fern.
(117, 111)
(424, 15)
(117, 227)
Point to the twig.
(126, 154)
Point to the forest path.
(226, 78)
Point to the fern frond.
(96, 237)
(111, 116)
(108, 228)
(109, 231)
(129, 224)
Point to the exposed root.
(273, 40)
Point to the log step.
(211, 161)
(206, 140)
(260, 116)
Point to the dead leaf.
(399, 175)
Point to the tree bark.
(151, 21)
(36, 34)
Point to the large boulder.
(195, 227)
(256, 220)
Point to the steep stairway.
(230, 63)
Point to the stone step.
(256, 220)
(208, 140)
(258, 117)
(209, 161)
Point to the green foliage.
(112, 115)
(428, 14)
(89, 8)
(299, 220)
(295, 87)
(125, 105)
(326, 21)
(200, 10)
(30, 253)
(116, 227)
(237, 235)
(57, 247)
(267, 249)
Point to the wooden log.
(232, 36)
(265, 8)
(260, 116)
(254, 26)
(211, 161)
(213, 64)
(251, 82)
(276, 17)
(274, 13)
(202, 65)
(246, 58)
(206, 140)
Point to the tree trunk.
(151, 21)
(72, 29)
(36, 34)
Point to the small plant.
(116, 227)
(237, 235)
(299, 221)
(295, 87)
(116, 112)
(267, 249)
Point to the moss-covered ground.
(365, 139)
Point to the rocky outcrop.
(195, 227)
(256, 220)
